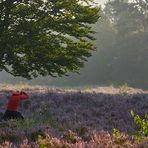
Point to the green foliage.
(141, 133)
(117, 135)
(142, 124)
(45, 37)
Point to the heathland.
(87, 117)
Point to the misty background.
(121, 55)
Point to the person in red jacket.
(13, 103)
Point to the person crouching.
(13, 103)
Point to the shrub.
(142, 124)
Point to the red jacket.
(15, 99)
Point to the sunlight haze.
(100, 1)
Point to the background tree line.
(122, 43)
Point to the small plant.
(112, 85)
(71, 137)
(125, 86)
(117, 135)
(124, 89)
(44, 142)
(142, 124)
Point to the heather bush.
(98, 140)
(17, 130)
(70, 139)
(37, 125)
(35, 120)
(9, 131)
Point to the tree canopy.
(45, 37)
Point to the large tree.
(45, 37)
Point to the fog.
(100, 2)
(121, 55)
